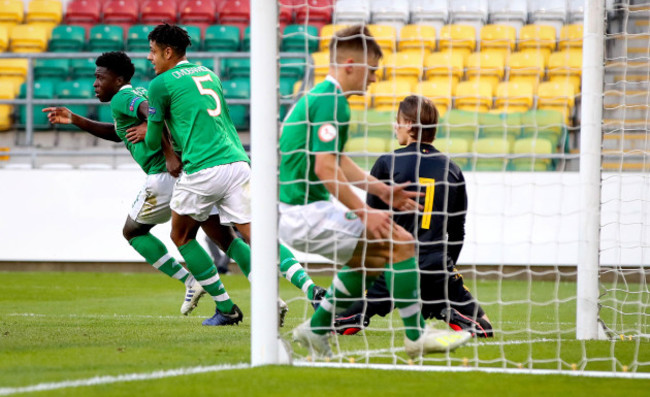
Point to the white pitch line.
(98, 316)
(102, 380)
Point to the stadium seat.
(123, 13)
(201, 13)
(566, 67)
(576, 11)
(12, 12)
(469, 12)
(417, 38)
(461, 38)
(14, 70)
(300, 38)
(246, 39)
(75, 89)
(388, 94)
(86, 13)
(460, 124)
(549, 12)
(321, 64)
(195, 37)
(365, 151)
(513, 97)
(430, 12)
(42, 90)
(143, 68)
(546, 124)
(500, 38)
(285, 15)
(474, 96)
(351, 12)
(532, 148)
(222, 38)
(390, 12)
(439, 91)
(67, 38)
(237, 67)
(286, 86)
(509, 12)
(82, 68)
(48, 13)
(449, 65)
(51, 68)
(28, 38)
(503, 126)
(385, 36)
(485, 66)
(360, 102)
(537, 38)
(238, 89)
(451, 146)
(404, 65)
(314, 12)
(154, 12)
(553, 95)
(571, 36)
(491, 154)
(104, 38)
(326, 34)
(236, 13)
(4, 38)
(138, 38)
(526, 67)
(293, 68)
(7, 91)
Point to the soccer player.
(216, 170)
(440, 229)
(313, 170)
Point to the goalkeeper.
(440, 229)
(313, 169)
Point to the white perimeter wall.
(514, 218)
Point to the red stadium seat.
(235, 12)
(285, 16)
(86, 13)
(155, 12)
(201, 13)
(314, 12)
(122, 13)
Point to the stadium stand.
(509, 12)
(430, 12)
(491, 154)
(12, 12)
(300, 38)
(531, 148)
(390, 12)
(474, 95)
(222, 38)
(513, 97)
(407, 66)
(236, 13)
(137, 38)
(444, 65)
(549, 12)
(157, 11)
(198, 13)
(469, 12)
(439, 91)
(84, 13)
(67, 38)
(486, 66)
(350, 12)
(195, 37)
(458, 38)
(498, 38)
(121, 13)
(106, 38)
(419, 38)
(317, 13)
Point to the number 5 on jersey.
(430, 191)
(208, 91)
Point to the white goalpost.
(557, 255)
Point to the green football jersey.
(318, 122)
(124, 107)
(190, 99)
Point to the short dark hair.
(356, 38)
(117, 62)
(423, 113)
(171, 36)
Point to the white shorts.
(225, 186)
(151, 207)
(322, 228)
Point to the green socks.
(240, 252)
(346, 288)
(403, 283)
(293, 271)
(201, 266)
(156, 254)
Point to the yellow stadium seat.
(13, 67)
(492, 154)
(571, 36)
(44, 11)
(553, 95)
(7, 91)
(439, 91)
(321, 63)
(532, 147)
(485, 66)
(514, 97)
(458, 38)
(4, 38)
(5, 117)
(13, 81)
(417, 38)
(566, 66)
(11, 12)
(537, 37)
(366, 145)
(525, 66)
(474, 96)
(500, 38)
(404, 65)
(360, 102)
(452, 146)
(28, 38)
(388, 94)
(444, 64)
(385, 36)
(326, 34)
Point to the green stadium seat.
(140, 82)
(67, 38)
(236, 67)
(195, 37)
(143, 68)
(365, 151)
(547, 124)
(371, 123)
(42, 90)
(292, 67)
(452, 146)
(286, 86)
(460, 124)
(238, 89)
(300, 38)
(105, 38)
(104, 114)
(138, 38)
(246, 41)
(532, 147)
(496, 149)
(82, 67)
(222, 38)
(51, 68)
(75, 89)
(207, 62)
(504, 125)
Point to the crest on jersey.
(327, 132)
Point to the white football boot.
(318, 345)
(193, 293)
(435, 341)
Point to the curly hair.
(173, 36)
(117, 62)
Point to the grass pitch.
(57, 327)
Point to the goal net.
(553, 145)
